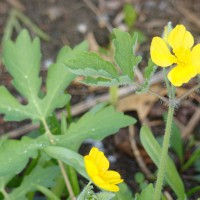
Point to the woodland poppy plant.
(176, 48)
(97, 165)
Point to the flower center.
(183, 56)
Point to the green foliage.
(14, 155)
(125, 52)
(193, 158)
(176, 141)
(69, 157)
(22, 60)
(98, 71)
(130, 15)
(39, 176)
(147, 193)
(124, 193)
(154, 151)
(88, 194)
(148, 73)
(95, 124)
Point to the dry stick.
(137, 154)
(191, 124)
(16, 4)
(83, 107)
(98, 13)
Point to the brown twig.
(191, 124)
(99, 15)
(137, 154)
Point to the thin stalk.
(31, 25)
(113, 92)
(61, 165)
(189, 92)
(5, 194)
(48, 132)
(9, 26)
(167, 83)
(67, 182)
(164, 153)
(153, 93)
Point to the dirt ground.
(68, 22)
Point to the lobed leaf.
(146, 193)
(148, 73)
(15, 154)
(22, 60)
(125, 52)
(92, 65)
(95, 124)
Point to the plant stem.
(113, 92)
(48, 132)
(71, 194)
(196, 87)
(61, 165)
(164, 154)
(5, 194)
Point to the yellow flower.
(97, 165)
(185, 58)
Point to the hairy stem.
(164, 154)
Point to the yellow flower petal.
(181, 74)
(99, 159)
(104, 185)
(160, 53)
(179, 37)
(97, 165)
(196, 57)
(91, 168)
(112, 177)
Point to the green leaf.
(154, 151)
(176, 141)
(4, 180)
(48, 193)
(90, 64)
(148, 73)
(95, 124)
(106, 82)
(69, 157)
(146, 193)
(87, 193)
(39, 176)
(125, 52)
(194, 157)
(130, 15)
(22, 60)
(67, 53)
(105, 195)
(124, 193)
(15, 154)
